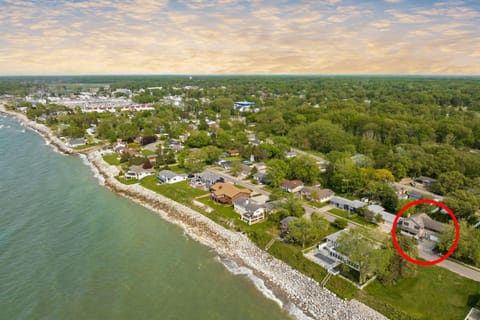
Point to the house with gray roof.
(421, 226)
(167, 176)
(206, 179)
(250, 211)
(345, 204)
(387, 217)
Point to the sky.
(51, 37)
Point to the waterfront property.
(250, 211)
(205, 180)
(348, 205)
(226, 193)
(76, 142)
(328, 249)
(167, 176)
(138, 172)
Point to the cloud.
(228, 36)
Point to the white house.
(137, 172)
(292, 186)
(167, 176)
(250, 211)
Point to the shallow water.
(70, 249)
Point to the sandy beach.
(295, 290)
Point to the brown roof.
(292, 184)
(228, 189)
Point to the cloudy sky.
(239, 37)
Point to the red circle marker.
(410, 259)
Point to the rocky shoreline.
(287, 283)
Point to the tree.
(304, 168)
(301, 231)
(384, 175)
(468, 249)
(449, 182)
(211, 153)
(235, 168)
(147, 164)
(195, 161)
(293, 206)
(198, 139)
(277, 171)
(382, 192)
(399, 268)
(463, 203)
(362, 251)
(340, 223)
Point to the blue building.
(243, 106)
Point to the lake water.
(71, 249)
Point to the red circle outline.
(425, 263)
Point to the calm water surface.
(70, 249)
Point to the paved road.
(428, 255)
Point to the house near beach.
(206, 179)
(226, 193)
(250, 211)
(167, 176)
(138, 172)
(76, 142)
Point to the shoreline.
(296, 291)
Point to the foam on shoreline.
(300, 295)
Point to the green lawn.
(353, 217)
(126, 181)
(435, 293)
(318, 205)
(147, 152)
(85, 146)
(181, 192)
(112, 159)
(224, 213)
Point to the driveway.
(425, 252)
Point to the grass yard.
(224, 212)
(352, 217)
(435, 293)
(112, 159)
(181, 192)
(318, 205)
(147, 152)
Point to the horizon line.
(244, 74)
